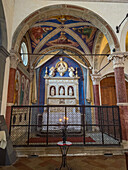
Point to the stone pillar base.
(124, 144)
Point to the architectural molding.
(10, 104)
(14, 59)
(110, 1)
(118, 59)
(96, 78)
(4, 51)
(122, 104)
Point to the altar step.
(73, 151)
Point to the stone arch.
(64, 48)
(123, 37)
(65, 9)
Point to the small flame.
(66, 118)
(60, 120)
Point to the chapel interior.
(64, 77)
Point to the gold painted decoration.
(61, 67)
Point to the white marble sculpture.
(70, 91)
(52, 91)
(52, 71)
(61, 90)
(71, 71)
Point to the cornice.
(4, 51)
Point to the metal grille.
(85, 125)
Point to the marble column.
(10, 97)
(96, 82)
(118, 66)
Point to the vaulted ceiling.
(69, 33)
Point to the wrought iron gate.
(85, 125)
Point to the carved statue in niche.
(71, 71)
(70, 91)
(52, 91)
(52, 71)
(61, 90)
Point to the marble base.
(56, 117)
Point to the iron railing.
(85, 125)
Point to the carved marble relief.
(61, 67)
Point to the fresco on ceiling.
(38, 33)
(87, 33)
(62, 38)
(63, 19)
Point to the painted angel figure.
(71, 71)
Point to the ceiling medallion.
(61, 67)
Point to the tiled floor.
(75, 163)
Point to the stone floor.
(75, 163)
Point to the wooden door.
(108, 91)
